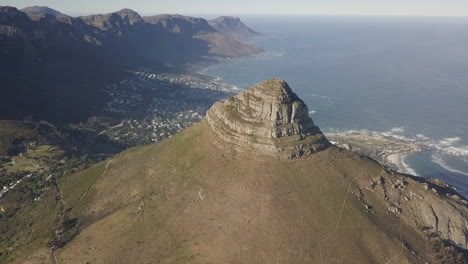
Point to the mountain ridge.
(35, 11)
(99, 48)
(188, 200)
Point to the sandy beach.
(388, 150)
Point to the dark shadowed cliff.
(53, 66)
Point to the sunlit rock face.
(268, 117)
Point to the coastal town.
(157, 106)
(149, 107)
(387, 149)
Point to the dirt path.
(94, 184)
(60, 219)
(62, 216)
(402, 247)
(337, 227)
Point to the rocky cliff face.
(269, 118)
(233, 26)
(180, 24)
(220, 44)
(428, 205)
(119, 20)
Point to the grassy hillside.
(186, 201)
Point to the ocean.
(402, 76)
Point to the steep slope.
(48, 70)
(195, 199)
(234, 27)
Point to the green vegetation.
(28, 229)
(11, 132)
(74, 185)
(44, 152)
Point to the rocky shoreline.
(390, 151)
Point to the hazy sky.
(330, 7)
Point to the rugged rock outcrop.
(431, 206)
(270, 118)
(119, 20)
(233, 26)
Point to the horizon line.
(145, 13)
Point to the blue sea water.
(406, 76)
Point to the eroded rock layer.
(269, 118)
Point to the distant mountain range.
(53, 65)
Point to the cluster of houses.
(381, 146)
(156, 106)
(12, 186)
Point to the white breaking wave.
(397, 130)
(448, 145)
(408, 168)
(312, 112)
(278, 54)
(262, 56)
(449, 141)
(436, 157)
(396, 133)
(422, 137)
(317, 95)
(271, 37)
(445, 146)
(208, 68)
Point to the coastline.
(390, 151)
(399, 160)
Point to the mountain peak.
(269, 118)
(228, 18)
(132, 16)
(42, 10)
(128, 12)
(232, 26)
(277, 87)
